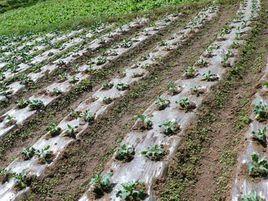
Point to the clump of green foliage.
(125, 153)
(132, 191)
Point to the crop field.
(134, 100)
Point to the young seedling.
(73, 80)
(71, 131)
(198, 90)
(125, 153)
(101, 184)
(22, 103)
(173, 89)
(170, 127)
(132, 191)
(190, 72)
(28, 153)
(201, 63)
(210, 77)
(143, 123)
(122, 86)
(261, 111)
(10, 120)
(56, 92)
(209, 52)
(126, 43)
(260, 135)
(107, 85)
(162, 103)
(253, 196)
(186, 104)
(36, 104)
(154, 153)
(101, 60)
(107, 100)
(45, 155)
(22, 181)
(258, 167)
(5, 175)
(54, 130)
(88, 117)
(75, 115)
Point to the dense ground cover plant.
(51, 14)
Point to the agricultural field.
(134, 100)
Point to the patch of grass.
(54, 14)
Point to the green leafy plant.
(260, 135)
(198, 90)
(143, 122)
(73, 80)
(36, 104)
(186, 104)
(101, 60)
(22, 181)
(191, 72)
(253, 196)
(10, 120)
(132, 191)
(107, 100)
(45, 155)
(107, 85)
(122, 86)
(88, 116)
(258, 166)
(125, 153)
(261, 111)
(101, 184)
(56, 92)
(173, 89)
(201, 63)
(71, 131)
(54, 130)
(162, 103)
(126, 43)
(28, 153)
(210, 77)
(154, 153)
(22, 103)
(170, 127)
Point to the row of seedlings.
(27, 109)
(251, 176)
(9, 90)
(156, 134)
(72, 126)
(37, 45)
(21, 61)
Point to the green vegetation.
(132, 191)
(252, 197)
(101, 184)
(54, 14)
(258, 166)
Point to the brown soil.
(86, 156)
